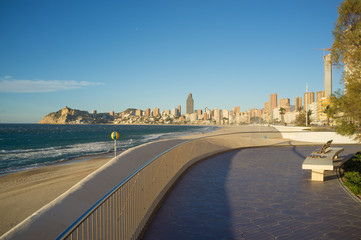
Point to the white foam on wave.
(30, 158)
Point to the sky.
(114, 55)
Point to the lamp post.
(115, 136)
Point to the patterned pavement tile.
(257, 193)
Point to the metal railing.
(124, 211)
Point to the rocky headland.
(129, 116)
(73, 116)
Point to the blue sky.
(113, 55)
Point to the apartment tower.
(320, 95)
(309, 97)
(272, 104)
(190, 104)
(298, 103)
(273, 101)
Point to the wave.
(20, 159)
(28, 150)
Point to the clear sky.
(114, 55)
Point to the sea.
(28, 146)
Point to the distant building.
(190, 104)
(272, 104)
(276, 114)
(179, 109)
(217, 116)
(309, 98)
(155, 112)
(266, 109)
(111, 113)
(328, 75)
(225, 113)
(175, 112)
(319, 95)
(138, 112)
(321, 107)
(290, 117)
(298, 103)
(253, 113)
(243, 117)
(273, 101)
(285, 103)
(94, 112)
(237, 109)
(147, 112)
(313, 108)
(207, 114)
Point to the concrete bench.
(318, 163)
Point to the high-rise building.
(266, 108)
(155, 112)
(328, 75)
(322, 104)
(237, 109)
(298, 103)
(190, 104)
(217, 115)
(319, 95)
(309, 98)
(225, 113)
(273, 101)
(138, 112)
(175, 112)
(179, 109)
(147, 112)
(272, 104)
(284, 102)
(252, 113)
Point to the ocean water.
(25, 146)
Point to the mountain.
(73, 116)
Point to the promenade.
(247, 183)
(257, 193)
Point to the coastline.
(23, 193)
(67, 207)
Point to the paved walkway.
(257, 193)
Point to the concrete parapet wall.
(54, 218)
(300, 134)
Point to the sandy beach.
(23, 193)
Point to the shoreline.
(60, 162)
(67, 160)
(24, 192)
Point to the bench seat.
(319, 164)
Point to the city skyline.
(129, 57)
(274, 111)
